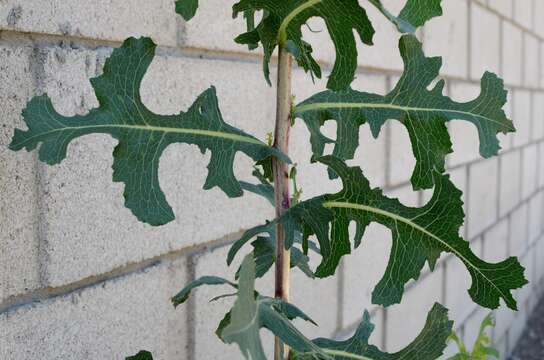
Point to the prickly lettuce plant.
(303, 228)
(483, 346)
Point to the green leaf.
(252, 312)
(414, 14)
(418, 12)
(423, 112)
(463, 353)
(428, 345)
(482, 345)
(482, 349)
(282, 22)
(264, 250)
(264, 254)
(419, 235)
(184, 294)
(264, 188)
(187, 8)
(142, 135)
(142, 355)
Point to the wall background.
(80, 278)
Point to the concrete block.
(370, 155)
(483, 196)
(531, 67)
(19, 215)
(539, 25)
(104, 20)
(519, 231)
(108, 320)
(362, 270)
(386, 40)
(401, 157)
(464, 135)
(523, 13)
(485, 42)
(313, 296)
(510, 181)
(502, 6)
(512, 54)
(537, 129)
(406, 195)
(214, 28)
(539, 253)
(541, 166)
(446, 36)
(523, 294)
(300, 147)
(530, 175)
(501, 345)
(503, 319)
(64, 76)
(536, 216)
(412, 312)
(542, 57)
(522, 117)
(89, 230)
(516, 329)
(457, 282)
(495, 242)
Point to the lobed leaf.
(423, 112)
(253, 312)
(282, 26)
(142, 135)
(249, 314)
(428, 345)
(419, 235)
(282, 22)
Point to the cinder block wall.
(80, 278)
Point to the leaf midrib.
(200, 132)
(282, 32)
(348, 205)
(348, 105)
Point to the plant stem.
(281, 181)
